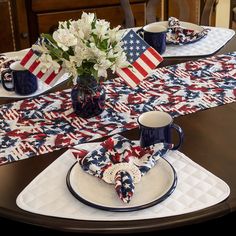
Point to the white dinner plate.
(153, 188)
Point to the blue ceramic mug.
(157, 127)
(23, 82)
(155, 35)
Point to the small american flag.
(141, 56)
(31, 63)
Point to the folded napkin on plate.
(176, 34)
(4, 64)
(122, 162)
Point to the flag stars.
(131, 41)
(138, 41)
(143, 47)
(131, 54)
(131, 36)
(131, 47)
(137, 47)
(125, 42)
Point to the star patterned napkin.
(4, 64)
(179, 35)
(122, 162)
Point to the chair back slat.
(129, 17)
(151, 9)
(207, 11)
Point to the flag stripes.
(142, 58)
(31, 63)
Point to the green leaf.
(68, 23)
(55, 52)
(71, 51)
(104, 44)
(112, 59)
(96, 39)
(80, 70)
(93, 25)
(114, 44)
(66, 56)
(94, 73)
(49, 38)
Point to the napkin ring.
(110, 172)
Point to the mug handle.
(181, 135)
(3, 80)
(140, 32)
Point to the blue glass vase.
(88, 97)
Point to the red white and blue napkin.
(179, 35)
(121, 162)
(5, 62)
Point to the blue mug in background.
(22, 82)
(155, 35)
(156, 127)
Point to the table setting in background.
(149, 176)
(11, 57)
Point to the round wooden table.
(209, 141)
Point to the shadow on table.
(222, 225)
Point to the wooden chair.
(233, 5)
(150, 13)
(207, 11)
(151, 6)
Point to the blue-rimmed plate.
(153, 188)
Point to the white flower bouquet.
(87, 46)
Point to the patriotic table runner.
(46, 123)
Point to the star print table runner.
(46, 123)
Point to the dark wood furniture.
(150, 12)
(21, 21)
(209, 141)
(206, 15)
(6, 27)
(201, 10)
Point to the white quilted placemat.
(42, 87)
(48, 195)
(215, 39)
